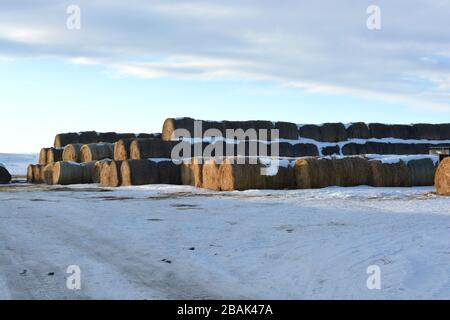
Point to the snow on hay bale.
(96, 151)
(54, 155)
(43, 156)
(48, 174)
(139, 172)
(66, 172)
(192, 173)
(442, 178)
(151, 148)
(71, 152)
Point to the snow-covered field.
(158, 242)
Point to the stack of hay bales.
(5, 176)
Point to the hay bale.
(5, 176)
(389, 174)
(234, 176)
(310, 131)
(122, 149)
(71, 152)
(421, 172)
(89, 172)
(313, 173)
(30, 173)
(333, 132)
(380, 130)
(426, 131)
(54, 155)
(38, 173)
(192, 172)
(444, 131)
(151, 148)
(96, 151)
(63, 139)
(442, 178)
(98, 168)
(287, 130)
(351, 171)
(48, 174)
(115, 174)
(87, 137)
(385, 148)
(358, 130)
(171, 124)
(66, 172)
(402, 131)
(282, 179)
(107, 137)
(139, 172)
(43, 156)
(103, 172)
(305, 150)
(330, 150)
(255, 125)
(211, 179)
(169, 172)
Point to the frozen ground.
(158, 242)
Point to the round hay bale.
(103, 172)
(171, 124)
(333, 132)
(107, 137)
(63, 139)
(426, 131)
(169, 173)
(287, 130)
(71, 152)
(115, 174)
(151, 148)
(313, 173)
(122, 149)
(89, 172)
(48, 174)
(444, 131)
(66, 172)
(402, 131)
(442, 178)
(380, 130)
(54, 155)
(330, 151)
(96, 151)
(192, 173)
(283, 179)
(351, 171)
(30, 173)
(358, 130)
(148, 136)
(421, 172)
(98, 169)
(310, 131)
(38, 173)
(87, 137)
(234, 176)
(304, 150)
(5, 176)
(43, 156)
(211, 179)
(389, 174)
(139, 172)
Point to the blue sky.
(132, 65)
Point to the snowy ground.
(158, 242)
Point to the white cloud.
(321, 46)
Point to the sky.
(131, 64)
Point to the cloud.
(320, 46)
